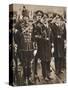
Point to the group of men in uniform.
(42, 35)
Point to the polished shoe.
(49, 77)
(46, 79)
(61, 71)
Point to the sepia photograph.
(37, 44)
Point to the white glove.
(52, 50)
(35, 52)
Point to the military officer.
(58, 42)
(48, 46)
(38, 36)
(49, 36)
(23, 40)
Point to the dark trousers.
(45, 67)
(35, 65)
(26, 69)
(58, 64)
(48, 63)
(26, 64)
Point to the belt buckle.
(47, 38)
(58, 36)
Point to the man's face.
(30, 23)
(26, 18)
(22, 25)
(57, 17)
(45, 16)
(51, 16)
(39, 17)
